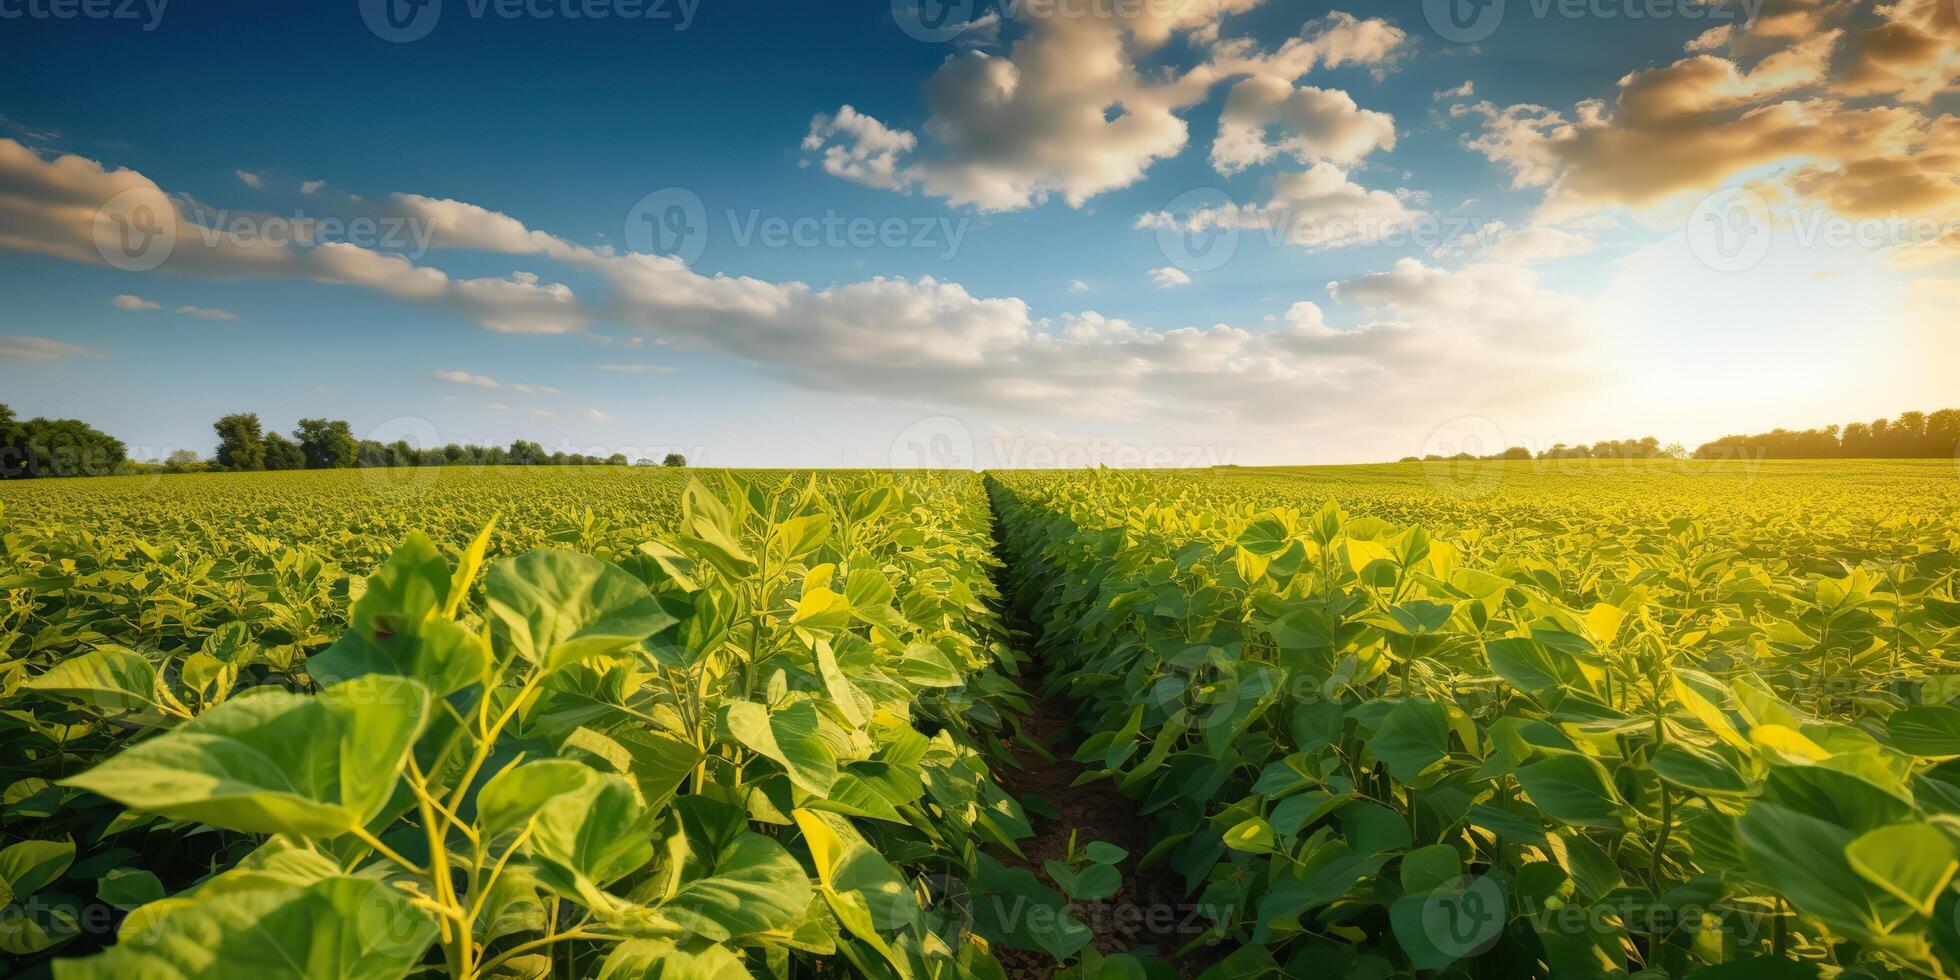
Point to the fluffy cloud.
(1318, 208)
(73, 208)
(16, 347)
(249, 179)
(859, 148)
(133, 303)
(1771, 91)
(1168, 277)
(207, 313)
(920, 340)
(1069, 112)
(1319, 124)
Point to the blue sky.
(1516, 262)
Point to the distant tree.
(241, 443)
(1515, 452)
(56, 447)
(282, 453)
(674, 459)
(524, 453)
(183, 461)
(616, 459)
(327, 443)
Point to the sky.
(980, 232)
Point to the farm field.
(1479, 719)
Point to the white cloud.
(1168, 277)
(311, 186)
(23, 348)
(1463, 91)
(207, 313)
(1069, 111)
(1317, 209)
(865, 150)
(133, 303)
(1320, 124)
(1077, 286)
(482, 381)
(637, 368)
(250, 179)
(595, 415)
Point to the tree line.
(41, 447)
(328, 444)
(1913, 435)
(1645, 447)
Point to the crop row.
(1545, 742)
(754, 741)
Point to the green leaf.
(1254, 836)
(1414, 736)
(275, 762)
(1531, 666)
(110, 678)
(1430, 867)
(1804, 859)
(591, 835)
(788, 737)
(331, 929)
(557, 608)
(31, 865)
(1931, 731)
(126, 888)
(1913, 861)
(736, 882)
(1573, 789)
(1698, 771)
(657, 959)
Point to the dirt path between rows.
(1150, 914)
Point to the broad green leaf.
(1573, 789)
(331, 929)
(557, 608)
(1412, 738)
(1912, 861)
(1804, 859)
(788, 737)
(31, 865)
(658, 959)
(110, 678)
(126, 888)
(275, 762)
(1928, 730)
(1702, 772)
(592, 834)
(736, 882)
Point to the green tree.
(56, 447)
(282, 453)
(674, 459)
(328, 444)
(241, 442)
